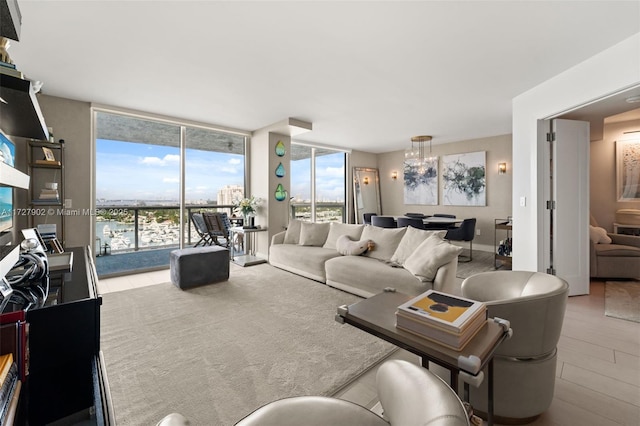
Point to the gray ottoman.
(191, 267)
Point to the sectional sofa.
(365, 259)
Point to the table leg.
(233, 246)
(490, 396)
(454, 380)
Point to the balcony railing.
(122, 228)
(145, 227)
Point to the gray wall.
(71, 121)
(498, 149)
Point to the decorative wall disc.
(280, 172)
(280, 149)
(281, 193)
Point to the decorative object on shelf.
(464, 177)
(280, 149)
(280, 172)
(281, 193)
(48, 154)
(628, 169)
(420, 173)
(502, 168)
(248, 208)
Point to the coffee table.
(377, 316)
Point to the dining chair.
(366, 217)
(383, 221)
(464, 232)
(416, 222)
(419, 215)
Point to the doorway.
(610, 118)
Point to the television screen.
(7, 155)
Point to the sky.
(152, 172)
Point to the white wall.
(610, 71)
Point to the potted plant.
(248, 208)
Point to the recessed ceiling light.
(633, 99)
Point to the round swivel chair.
(525, 364)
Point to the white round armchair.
(525, 364)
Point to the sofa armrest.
(278, 238)
(625, 240)
(446, 281)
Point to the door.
(565, 203)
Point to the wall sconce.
(394, 175)
(502, 168)
(366, 180)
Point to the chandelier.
(417, 151)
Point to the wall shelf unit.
(46, 203)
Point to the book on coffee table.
(444, 311)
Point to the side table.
(377, 316)
(249, 258)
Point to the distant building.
(229, 193)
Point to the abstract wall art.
(421, 181)
(628, 170)
(464, 179)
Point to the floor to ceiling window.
(138, 186)
(318, 184)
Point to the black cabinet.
(66, 377)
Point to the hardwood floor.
(598, 372)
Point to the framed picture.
(421, 181)
(48, 154)
(628, 170)
(464, 177)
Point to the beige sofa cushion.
(386, 241)
(336, 230)
(412, 238)
(292, 236)
(598, 235)
(430, 255)
(313, 234)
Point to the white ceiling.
(368, 75)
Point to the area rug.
(217, 352)
(482, 262)
(622, 300)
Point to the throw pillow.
(337, 229)
(292, 236)
(413, 237)
(313, 234)
(430, 255)
(598, 235)
(386, 241)
(347, 247)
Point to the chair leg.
(467, 258)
